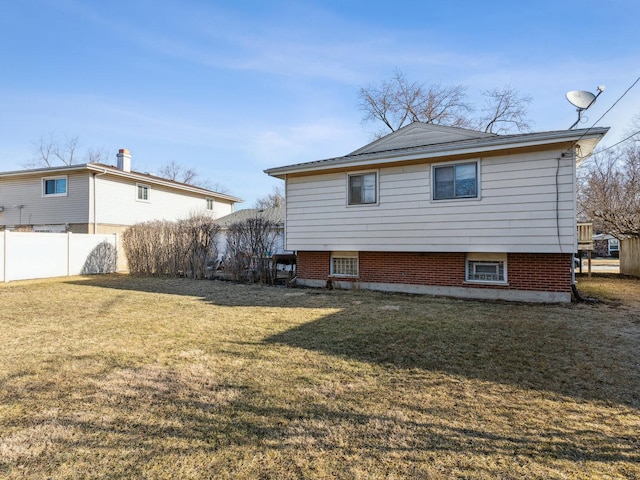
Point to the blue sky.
(232, 88)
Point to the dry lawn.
(121, 377)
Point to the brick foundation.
(526, 272)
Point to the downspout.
(95, 201)
(574, 288)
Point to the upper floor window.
(143, 192)
(210, 203)
(54, 186)
(363, 188)
(455, 181)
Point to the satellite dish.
(581, 99)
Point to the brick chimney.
(124, 160)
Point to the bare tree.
(179, 173)
(95, 155)
(249, 244)
(398, 101)
(609, 191)
(505, 108)
(50, 151)
(274, 199)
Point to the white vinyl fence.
(27, 255)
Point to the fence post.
(68, 254)
(4, 255)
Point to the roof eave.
(494, 144)
(98, 168)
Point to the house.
(98, 198)
(441, 210)
(274, 215)
(605, 245)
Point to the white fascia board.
(160, 181)
(44, 170)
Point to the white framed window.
(210, 204)
(54, 186)
(458, 180)
(344, 264)
(486, 268)
(362, 188)
(142, 192)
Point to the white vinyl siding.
(38, 209)
(117, 204)
(515, 212)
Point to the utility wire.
(603, 115)
(616, 102)
(618, 143)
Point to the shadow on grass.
(161, 415)
(543, 348)
(571, 351)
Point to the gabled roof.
(111, 170)
(274, 214)
(420, 141)
(417, 134)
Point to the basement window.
(486, 268)
(344, 264)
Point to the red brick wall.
(525, 271)
(313, 265)
(550, 272)
(443, 269)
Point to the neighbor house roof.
(419, 141)
(111, 170)
(274, 214)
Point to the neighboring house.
(605, 245)
(97, 198)
(441, 210)
(275, 215)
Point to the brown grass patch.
(123, 377)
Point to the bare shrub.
(249, 247)
(163, 248)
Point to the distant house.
(97, 198)
(605, 245)
(274, 215)
(441, 210)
